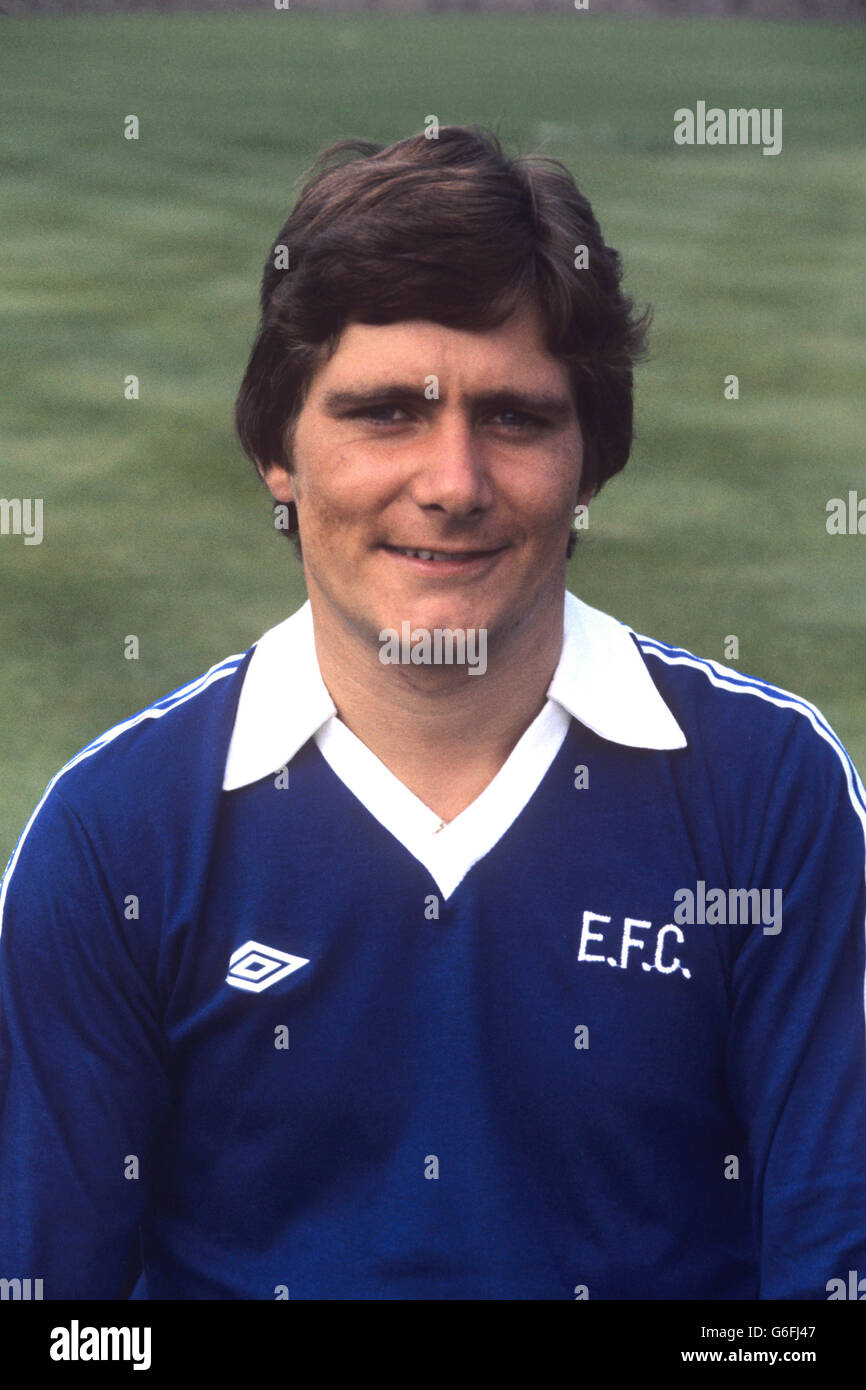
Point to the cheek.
(546, 494)
(351, 490)
(340, 496)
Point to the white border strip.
(738, 684)
(736, 680)
(179, 697)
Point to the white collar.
(601, 680)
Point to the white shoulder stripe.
(162, 705)
(154, 711)
(726, 679)
(665, 650)
(720, 676)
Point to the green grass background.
(145, 257)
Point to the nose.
(451, 473)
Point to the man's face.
(486, 476)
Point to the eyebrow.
(553, 404)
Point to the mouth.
(443, 562)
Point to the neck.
(444, 732)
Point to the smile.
(443, 562)
(441, 554)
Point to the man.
(348, 973)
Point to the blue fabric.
(308, 1170)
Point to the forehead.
(513, 353)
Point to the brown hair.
(454, 231)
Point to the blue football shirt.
(269, 1029)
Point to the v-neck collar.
(447, 850)
(601, 680)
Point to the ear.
(584, 494)
(278, 480)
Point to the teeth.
(427, 554)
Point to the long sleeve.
(797, 1054)
(83, 1085)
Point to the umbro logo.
(255, 967)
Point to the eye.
(519, 419)
(380, 414)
